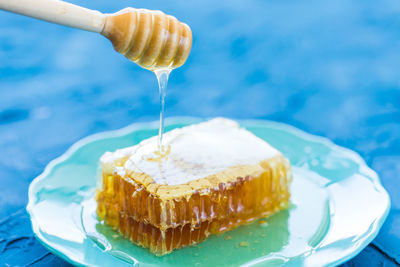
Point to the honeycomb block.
(163, 218)
(215, 177)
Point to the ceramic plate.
(337, 207)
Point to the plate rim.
(366, 171)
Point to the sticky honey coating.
(154, 220)
(149, 38)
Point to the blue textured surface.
(331, 68)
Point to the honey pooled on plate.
(213, 177)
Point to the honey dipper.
(150, 38)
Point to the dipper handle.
(149, 38)
(58, 12)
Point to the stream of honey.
(162, 78)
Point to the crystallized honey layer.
(164, 217)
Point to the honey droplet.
(263, 223)
(244, 244)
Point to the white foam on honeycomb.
(196, 151)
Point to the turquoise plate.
(337, 207)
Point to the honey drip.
(162, 78)
(155, 41)
(161, 154)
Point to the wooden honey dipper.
(150, 38)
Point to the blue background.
(331, 68)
